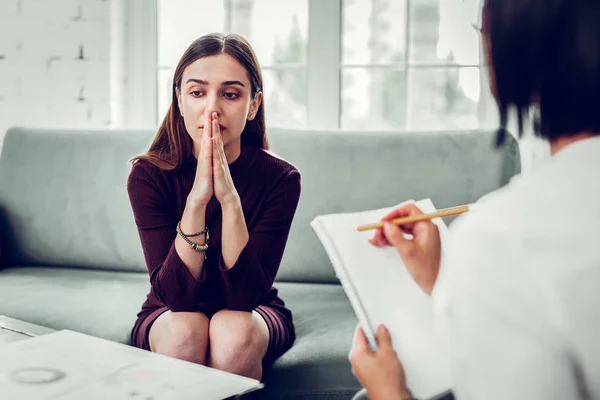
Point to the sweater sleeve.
(502, 322)
(249, 280)
(170, 279)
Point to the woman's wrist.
(231, 203)
(196, 204)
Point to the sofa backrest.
(63, 198)
(355, 171)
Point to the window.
(280, 44)
(350, 64)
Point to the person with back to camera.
(517, 294)
(213, 209)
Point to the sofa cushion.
(317, 365)
(105, 304)
(356, 171)
(99, 303)
(63, 198)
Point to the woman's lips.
(221, 127)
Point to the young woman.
(213, 209)
(517, 293)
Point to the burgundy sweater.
(269, 189)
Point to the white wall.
(55, 64)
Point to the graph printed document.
(381, 290)
(72, 366)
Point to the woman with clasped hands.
(213, 209)
(516, 295)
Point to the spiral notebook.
(381, 291)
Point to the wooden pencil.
(446, 212)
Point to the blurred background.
(394, 64)
(337, 64)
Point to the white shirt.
(518, 295)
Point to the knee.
(234, 338)
(185, 336)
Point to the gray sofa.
(71, 257)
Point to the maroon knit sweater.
(269, 189)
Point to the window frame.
(140, 58)
(324, 64)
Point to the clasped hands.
(212, 171)
(380, 372)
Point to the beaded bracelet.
(202, 232)
(195, 246)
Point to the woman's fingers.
(206, 129)
(426, 231)
(215, 144)
(208, 151)
(406, 210)
(208, 125)
(202, 190)
(205, 156)
(205, 134)
(384, 338)
(218, 139)
(402, 211)
(360, 343)
(380, 239)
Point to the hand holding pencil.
(422, 253)
(446, 212)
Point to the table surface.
(12, 330)
(110, 370)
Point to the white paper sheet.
(382, 291)
(8, 336)
(67, 365)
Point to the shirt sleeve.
(500, 323)
(249, 280)
(171, 281)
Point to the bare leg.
(182, 335)
(238, 342)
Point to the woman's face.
(217, 84)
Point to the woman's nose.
(213, 105)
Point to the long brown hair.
(172, 143)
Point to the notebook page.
(382, 291)
(66, 365)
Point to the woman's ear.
(254, 106)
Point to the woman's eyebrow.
(224, 83)
(194, 80)
(232, 83)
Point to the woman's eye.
(196, 93)
(230, 95)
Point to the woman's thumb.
(394, 234)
